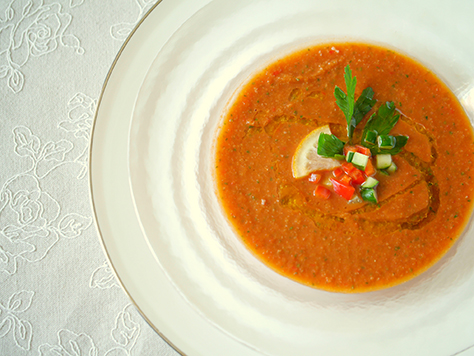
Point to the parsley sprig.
(381, 123)
(329, 145)
(378, 126)
(353, 111)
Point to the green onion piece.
(350, 156)
(370, 138)
(369, 194)
(386, 142)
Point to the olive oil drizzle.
(290, 197)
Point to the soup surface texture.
(331, 242)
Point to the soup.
(315, 218)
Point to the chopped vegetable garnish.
(383, 161)
(350, 156)
(345, 179)
(348, 167)
(349, 148)
(370, 183)
(314, 178)
(400, 142)
(370, 138)
(370, 169)
(386, 142)
(369, 194)
(357, 175)
(322, 192)
(363, 150)
(337, 172)
(345, 191)
(392, 169)
(360, 160)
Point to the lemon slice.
(306, 158)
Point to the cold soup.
(346, 167)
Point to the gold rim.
(94, 212)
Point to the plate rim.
(175, 320)
(109, 74)
(96, 219)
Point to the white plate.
(153, 193)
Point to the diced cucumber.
(360, 160)
(350, 156)
(392, 168)
(386, 141)
(383, 161)
(369, 183)
(369, 194)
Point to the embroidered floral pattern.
(45, 219)
(121, 31)
(31, 30)
(70, 344)
(10, 323)
(103, 278)
(31, 222)
(124, 334)
(44, 158)
(81, 109)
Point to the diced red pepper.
(348, 148)
(345, 179)
(314, 178)
(358, 177)
(322, 192)
(370, 169)
(348, 167)
(363, 150)
(337, 172)
(345, 191)
(356, 174)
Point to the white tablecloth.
(58, 296)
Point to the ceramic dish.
(153, 192)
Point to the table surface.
(58, 295)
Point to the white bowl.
(178, 109)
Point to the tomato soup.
(331, 243)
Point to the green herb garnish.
(375, 134)
(329, 146)
(382, 123)
(346, 101)
(400, 142)
(364, 104)
(353, 111)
